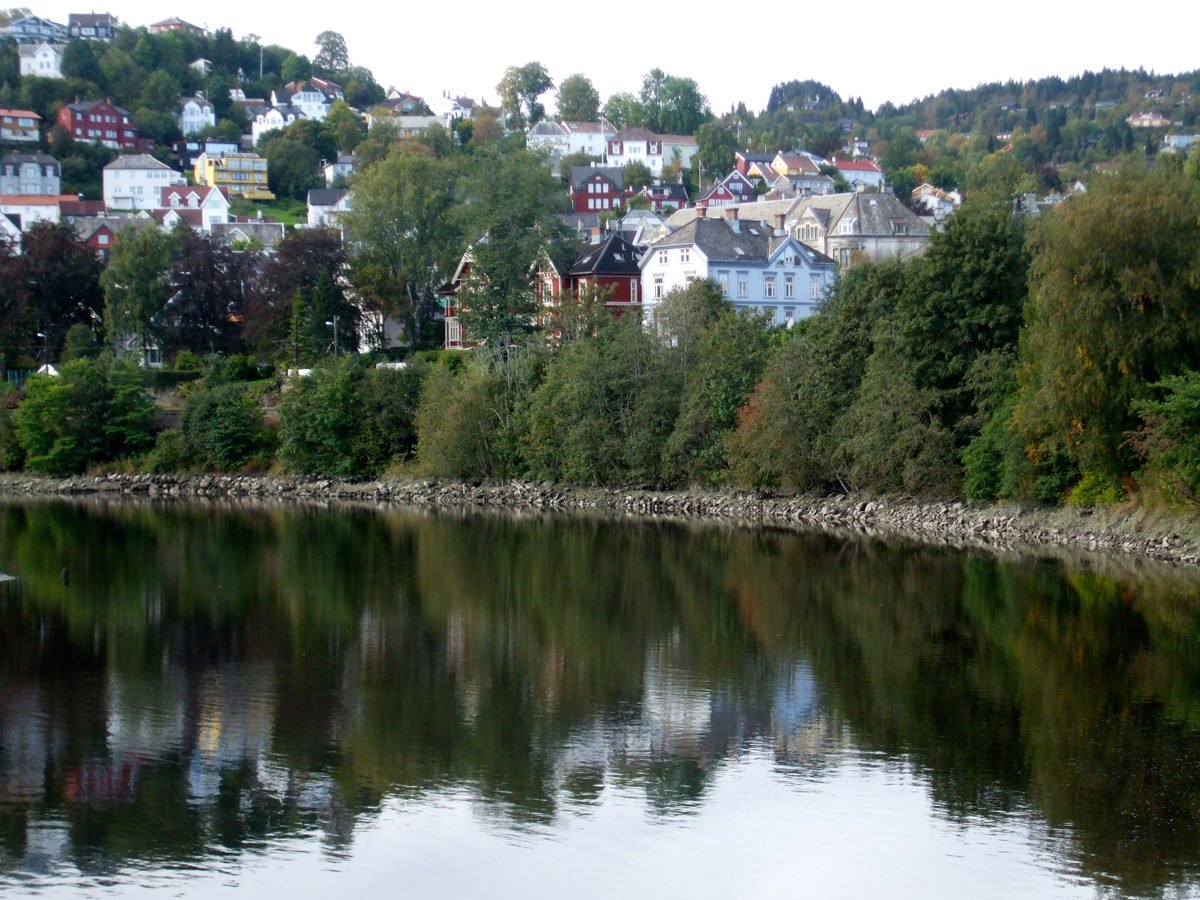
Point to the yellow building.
(240, 174)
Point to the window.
(814, 286)
(723, 280)
(633, 291)
(658, 287)
(789, 286)
(102, 240)
(769, 286)
(662, 257)
(743, 285)
(685, 255)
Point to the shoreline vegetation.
(992, 527)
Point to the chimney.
(701, 212)
(779, 229)
(731, 216)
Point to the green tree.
(347, 127)
(578, 100)
(136, 285)
(295, 68)
(716, 148)
(332, 56)
(520, 89)
(407, 239)
(222, 428)
(92, 412)
(79, 61)
(624, 110)
(1114, 309)
(292, 167)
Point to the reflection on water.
(218, 695)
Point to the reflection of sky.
(864, 827)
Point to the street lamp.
(334, 324)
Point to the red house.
(610, 266)
(733, 188)
(100, 122)
(597, 188)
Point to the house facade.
(273, 118)
(207, 206)
(313, 97)
(35, 30)
(238, 174)
(655, 151)
(340, 169)
(325, 205)
(860, 226)
(41, 60)
(20, 125)
(759, 267)
(196, 114)
(136, 182)
(595, 188)
(91, 26)
(610, 267)
(100, 122)
(662, 197)
(860, 172)
(30, 173)
(733, 188)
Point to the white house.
(197, 206)
(195, 114)
(341, 168)
(29, 209)
(325, 205)
(42, 60)
(273, 118)
(759, 266)
(655, 151)
(136, 182)
(564, 138)
(860, 172)
(30, 173)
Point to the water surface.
(287, 700)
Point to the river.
(292, 700)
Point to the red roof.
(20, 113)
(858, 165)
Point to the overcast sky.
(877, 51)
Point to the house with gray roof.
(30, 173)
(760, 267)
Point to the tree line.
(1047, 360)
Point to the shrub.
(1095, 489)
(222, 428)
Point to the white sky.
(879, 51)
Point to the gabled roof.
(15, 157)
(19, 114)
(857, 165)
(755, 156)
(89, 20)
(635, 134)
(75, 208)
(580, 175)
(612, 256)
(33, 49)
(198, 100)
(601, 127)
(140, 161)
(871, 213)
(86, 106)
(325, 196)
(183, 191)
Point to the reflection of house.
(30, 173)
(759, 266)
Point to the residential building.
(760, 267)
(175, 24)
(29, 209)
(339, 170)
(860, 172)
(20, 125)
(272, 118)
(239, 174)
(199, 207)
(934, 202)
(243, 234)
(1181, 142)
(42, 60)
(35, 30)
(860, 226)
(91, 26)
(185, 153)
(655, 151)
(30, 173)
(100, 122)
(733, 188)
(1148, 120)
(610, 267)
(744, 159)
(794, 163)
(313, 97)
(195, 114)
(565, 138)
(136, 182)
(666, 197)
(202, 65)
(325, 205)
(595, 189)
(10, 232)
(404, 104)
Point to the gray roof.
(612, 256)
(873, 213)
(269, 234)
(580, 174)
(720, 241)
(42, 159)
(136, 161)
(325, 196)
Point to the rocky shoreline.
(993, 527)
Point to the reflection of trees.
(231, 676)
